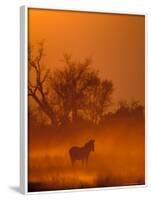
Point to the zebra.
(81, 153)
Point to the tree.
(130, 110)
(66, 95)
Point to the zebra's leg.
(82, 162)
(72, 162)
(86, 161)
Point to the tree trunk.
(48, 111)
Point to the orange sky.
(116, 44)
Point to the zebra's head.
(90, 145)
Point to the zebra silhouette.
(81, 153)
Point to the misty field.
(118, 159)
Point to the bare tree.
(37, 89)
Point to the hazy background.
(116, 44)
